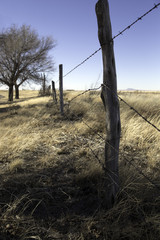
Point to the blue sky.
(73, 24)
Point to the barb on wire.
(132, 108)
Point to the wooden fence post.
(110, 101)
(61, 88)
(44, 84)
(54, 92)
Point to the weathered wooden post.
(54, 92)
(110, 101)
(61, 87)
(44, 84)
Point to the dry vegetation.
(51, 183)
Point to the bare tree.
(23, 56)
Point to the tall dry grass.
(52, 185)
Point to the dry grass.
(52, 186)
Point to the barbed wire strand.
(139, 19)
(82, 62)
(132, 108)
(120, 33)
(88, 90)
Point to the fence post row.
(61, 88)
(110, 101)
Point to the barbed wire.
(85, 60)
(121, 99)
(120, 33)
(139, 19)
(132, 108)
(82, 62)
(88, 90)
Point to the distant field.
(52, 185)
(23, 94)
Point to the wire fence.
(120, 98)
(103, 138)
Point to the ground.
(52, 182)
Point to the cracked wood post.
(110, 101)
(61, 88)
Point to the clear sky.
(73, 24)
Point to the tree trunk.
(110, 101)
(16, 92)
(10, 93)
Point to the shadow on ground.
(6, 109)
(49, 193)
(53, 197)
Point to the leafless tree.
(23, 57)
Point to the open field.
(51, 183)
